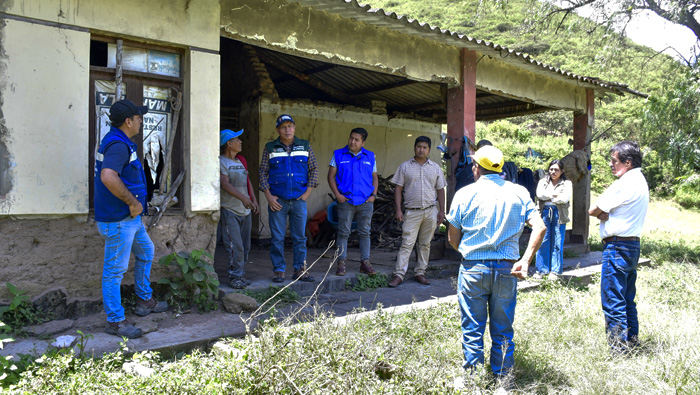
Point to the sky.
(655, 32)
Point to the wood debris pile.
(386, 231)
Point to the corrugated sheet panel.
(402, 24)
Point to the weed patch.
(368, 283)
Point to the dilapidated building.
(332, 64)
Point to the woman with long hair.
(553, 193)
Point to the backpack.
(464, 174)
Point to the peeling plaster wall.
(328, 129)
(185, 22)
(44, 89)
(41, 254)
(500, 77)
(292, 28)
(202, 146)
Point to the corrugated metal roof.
(405, 25)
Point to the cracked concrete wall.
(328, 127)
(45, 89)
(202, 142)
(303, 31)
(185, 22)
(502, 78)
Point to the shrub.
(688, 192)
(193, 281)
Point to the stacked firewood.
(386, 231)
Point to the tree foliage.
(672, 123)
(614, 16)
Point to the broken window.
(150, 77)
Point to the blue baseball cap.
(228, 134)
(284, 118)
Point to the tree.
(616, 14)
(671, 123)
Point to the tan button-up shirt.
(420, 182)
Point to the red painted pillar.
(461, 114)
(583, 130)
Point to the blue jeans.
(235, 231)
(486, 289)
(346, 213)
(121, 239)
(617, 291)
(550, 256)
(296, 210)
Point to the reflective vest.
(354, 175)
(289, 172)
(109, 208)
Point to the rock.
(137, 369)
(50, 328)
(64, 341)
(147, 325)
(224, 349)
(237, 303)
(437, 249)
(52, 302)
(80, 307)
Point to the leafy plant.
(285, 297)
(369, 283)
(193, 281)
(20, 311)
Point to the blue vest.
(109, 208)
(289, 172)
(354, 175)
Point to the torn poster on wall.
(156, 123)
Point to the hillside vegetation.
(666, 125)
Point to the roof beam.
(314, 70)
(384, 87)
(317, 84)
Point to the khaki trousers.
(419, 224)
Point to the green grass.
(560, 348)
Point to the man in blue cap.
(237, 202)
(120, 201)
(288, 174)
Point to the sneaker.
(538, 276)
(553, 277)
(122, 329)
(146, 307)
(239, 282)
(302, 275)
(278, 278)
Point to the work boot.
(146, 307)
(302, 275)
(278, 278)
(340, 271)
(239, 282)
(395, 281)
(122, 329)
(421, 279)
(366, 268)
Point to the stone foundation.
(37, 255)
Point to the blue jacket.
(109, 208)
(289, 173)
(354, 175)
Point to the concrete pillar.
(583, 128)
(461, 115)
